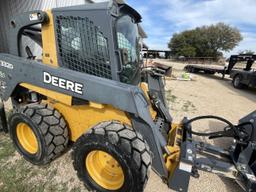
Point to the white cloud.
(188, 14)
(153, 43)
(249, 43)
(144, 11)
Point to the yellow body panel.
(82, 117)
(49, 42)
(174, 138)
(144, 87)
(175, 134)
(171, 161)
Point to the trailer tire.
(209, 72)
(237, 82)
(193, 70)
(187, 69)
(39, 133)
(119, 144)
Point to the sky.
(162, 18)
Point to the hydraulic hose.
(209, 117)
(237, 130)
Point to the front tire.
(39, 133)
(237, 82)
(112, 157)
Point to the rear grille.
(82, 47)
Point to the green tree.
(205, 41)
(188, 51)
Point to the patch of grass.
(6, 147)
(62, 187)
(173, 98)
(188, 106)
(76, 190)
(22, 176)
(18, 175)
(13, 177)
(169, 97)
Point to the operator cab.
(99, 39)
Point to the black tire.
(123, 143)
(49, 128)
(209, 72)
(187, 69)
(193, 70)
(237, 82)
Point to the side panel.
(81, 118)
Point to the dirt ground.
(202, 96)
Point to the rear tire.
(39, 133)
(237, 82)
(125, 146)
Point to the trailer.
(241, 77)
(207, 69)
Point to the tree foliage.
(205, 41)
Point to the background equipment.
(241, 77)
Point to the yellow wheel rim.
(105, 170)
(27, 138)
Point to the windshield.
(128, 42)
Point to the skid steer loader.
(91, 91)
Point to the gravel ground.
(204, 95)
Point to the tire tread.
(52, 126)
(128, 139)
